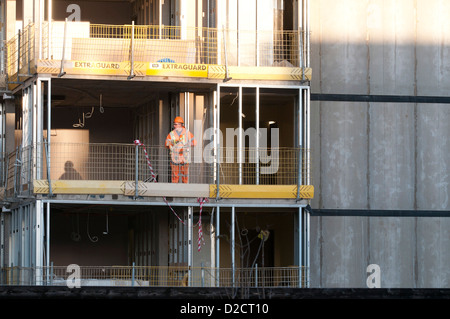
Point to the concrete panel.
(433, 240)
(433, 47)
(433, 157)
(343, 155)
(405, 51)
(343, 58)
(380, 155)
(391, 41)
(392, 247)
(391, 156)
(338, 251)
(411, 252)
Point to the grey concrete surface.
(388, 155)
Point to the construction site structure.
(90, 91)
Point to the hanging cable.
(93, 239)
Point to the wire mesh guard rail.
(128, 162)
(81, 41)
(155, 276)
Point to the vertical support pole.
(47, 155)
(257, 133)
(49, 130)
(50, 19)
(217, 246)
(227, 77)
(132, 274)
(300, 244)
(63, 58)
(51, 274)
(47, 235)
(190, 219)
(233, 265)
(136, 171)
(300, 137)
(238, 33)
(307, 248)
(19, 41)
(256, 275)
(29, 51)
(160, 4)
(132, 53)
(217, 144)
(202, 275)
(2, 244)
(39, 240)
(307, 33)
(41, 33)
(307, 163)
(39, 129)
(240, 136)
(257, 34)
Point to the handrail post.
(256, 275)
(19, 36)
(299, 175)
(132, 275)
(132, 53)
(62, 72)
(136, 171)
(203, 274)
(227, 77)
(48, 168)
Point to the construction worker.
(179, 142)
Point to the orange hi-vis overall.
(179, 146)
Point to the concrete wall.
(380, 155)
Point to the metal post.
(256, 275)
(49, 129)
(202, 275)
(233, 213)
(136, 171)
(19, 37)
(132, 275)
(51, 272)
(300, 140)
(227, 77)
(240, 136)
(47, 226)
(61, 72)
(47, 154)
(49, 25)
(217, 245)
(132, 53)
(257, 35)
(190, 218)
(308, 136)
(257, 134)
(29, 51)
(217, 144)
(308, 215)
(39, 237)
(300, 253)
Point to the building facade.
(90, 94)
(380, 134)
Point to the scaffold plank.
(262, 191)
(187, 70)
(166, 189)
(128, 188)
(79, 187)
